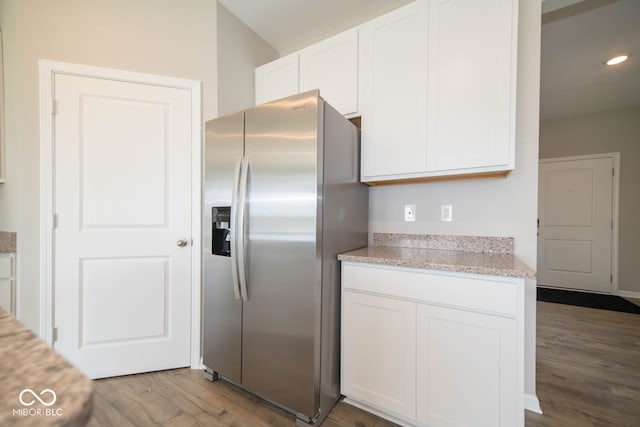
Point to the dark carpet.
(585, 299)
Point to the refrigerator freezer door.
(222, 340)
(281, 317)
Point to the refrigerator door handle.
(234, 223)
(241, 243)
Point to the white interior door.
(122, 198)
(575, 224)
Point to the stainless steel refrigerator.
(282, 198)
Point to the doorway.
(577, 223)
(121, 152)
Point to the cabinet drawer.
(492, 294)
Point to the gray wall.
(165, 37)
(613, 131)
(241, 50)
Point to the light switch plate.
(446, 213)
(410, 213)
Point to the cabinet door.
(467, 369)
(378, 352)
(332, 67)
(5, 295)
(393, 81)
(472, 69)
(277, 79)
(6, 281)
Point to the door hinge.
(54, 110)
(612, 225)
(613, 171)
(54, 334)
(611, 278)
(55, 221)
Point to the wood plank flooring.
(588, 374)
(588, 367)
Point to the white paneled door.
(575, 233)
(122, 200)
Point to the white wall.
(165, 37)
(489, 207)
(612, 131)
(240, 51)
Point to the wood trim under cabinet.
(479, 175)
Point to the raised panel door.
(575, 209)
(332, 67)
(277, 79)
(378, 359)
(122, 195)
(467, 366)
(393, 88)
(471, 92)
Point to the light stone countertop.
(7, 242)
(26, 362)
(494, 264)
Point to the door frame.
(47, 71)
(615, 156)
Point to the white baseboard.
(531, 403)
(628, 294)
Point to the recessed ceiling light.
(618, 59)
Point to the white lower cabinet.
(414, 353)
(466, 368)
(7, 282)
(379, 343)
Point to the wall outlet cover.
(446, 213)
(410, 213)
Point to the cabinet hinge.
(55, 221)
(612, 225)
(54, 109)
(613, 171)
(54, 334)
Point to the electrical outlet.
(410, 213)
(446, 213)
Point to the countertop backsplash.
(485, 244)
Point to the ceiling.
(576, 41)
(577, 36)
(290, 25)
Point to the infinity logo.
(36, 397)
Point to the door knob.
(182, 243)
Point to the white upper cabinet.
(434, 82)
(437, 83)
(277, 79)
(332, 67)
(471, 93)
(393, 86)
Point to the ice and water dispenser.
(221, 236)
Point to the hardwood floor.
(588, 367)
(588, 374)
(183, 397)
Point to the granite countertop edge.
(504, 265)
(7, 242)
(27, 362)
